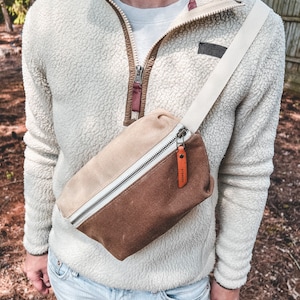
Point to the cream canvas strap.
(226, 66)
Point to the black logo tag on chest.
(211, 49)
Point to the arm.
(246, 168)
(40, 154)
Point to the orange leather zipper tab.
(181, 166)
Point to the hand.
(220, 293)
(35, 268)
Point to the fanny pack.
(156, 171)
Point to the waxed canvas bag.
(156, 171)
(134, 194)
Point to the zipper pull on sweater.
(137, 89)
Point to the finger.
(40, 286)
(46, 280)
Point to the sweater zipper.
(138, 81)
(174, 140)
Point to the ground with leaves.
(275, 272)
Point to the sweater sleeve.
(41, 149)
(244, 176)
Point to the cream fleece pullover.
(78, 67)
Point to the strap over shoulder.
(226, 66)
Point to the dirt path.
(275, 272)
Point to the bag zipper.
(178, 136)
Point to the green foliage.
(9, 175)
(18, 10)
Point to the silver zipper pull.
(138, 74)
(180, 137)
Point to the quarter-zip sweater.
(79, 70)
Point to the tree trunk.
(7, 20)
